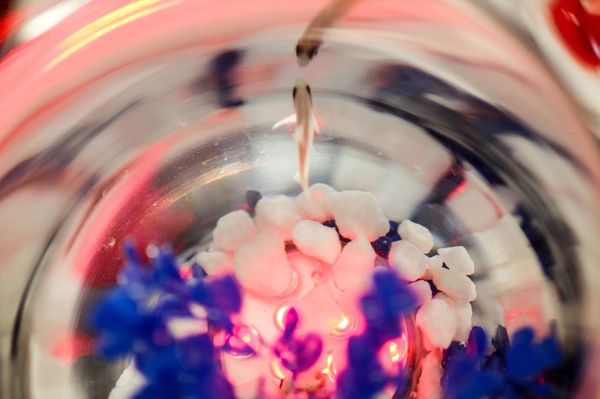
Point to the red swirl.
(579, 27)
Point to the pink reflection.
(128, 211)
(71, 347)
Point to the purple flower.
(290, 322)
(297, 354)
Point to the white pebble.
(454, 284)
(215, 263)
(314, 239)
(433, 262)
(128, 384)
(464, 317)
(279, 212)
(464, 314)
(261, 265)
(430, 386)
(422, 291)
(358, 214)
(354, 266)
(407, 260)
(437, 321)
(417, 234)
(314, 202)
(233, 230)
(457, 258)
(182, 327)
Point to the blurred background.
(564, 32)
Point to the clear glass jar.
(151, 119)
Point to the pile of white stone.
(254, 249)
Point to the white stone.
(464, 317)
(407, 260)
(353, 268)
(130, 382)
(433, 262)
(422, 291)
(457, 258)
(500, 243)
(279, 212)
(454, 284)
(215, 263)
(437, 321)
(261, 265)
(417, 234)
(314, 202)
(182, 327)
(314, 239)
(232, 230)
(430, 386)
(358, 214)
(464, 314)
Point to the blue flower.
(196, 352)
(133, 320)
(383, 308)
(364, 376)
(166, 274)
(477, 344)
(221, 298)
(526, 358)
(222, 294)
(514, 369)
(188, 369)
(117, 319)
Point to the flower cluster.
(383, 308)
(297, 354)
(514, 368)
(143, 317)
(137, 318)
